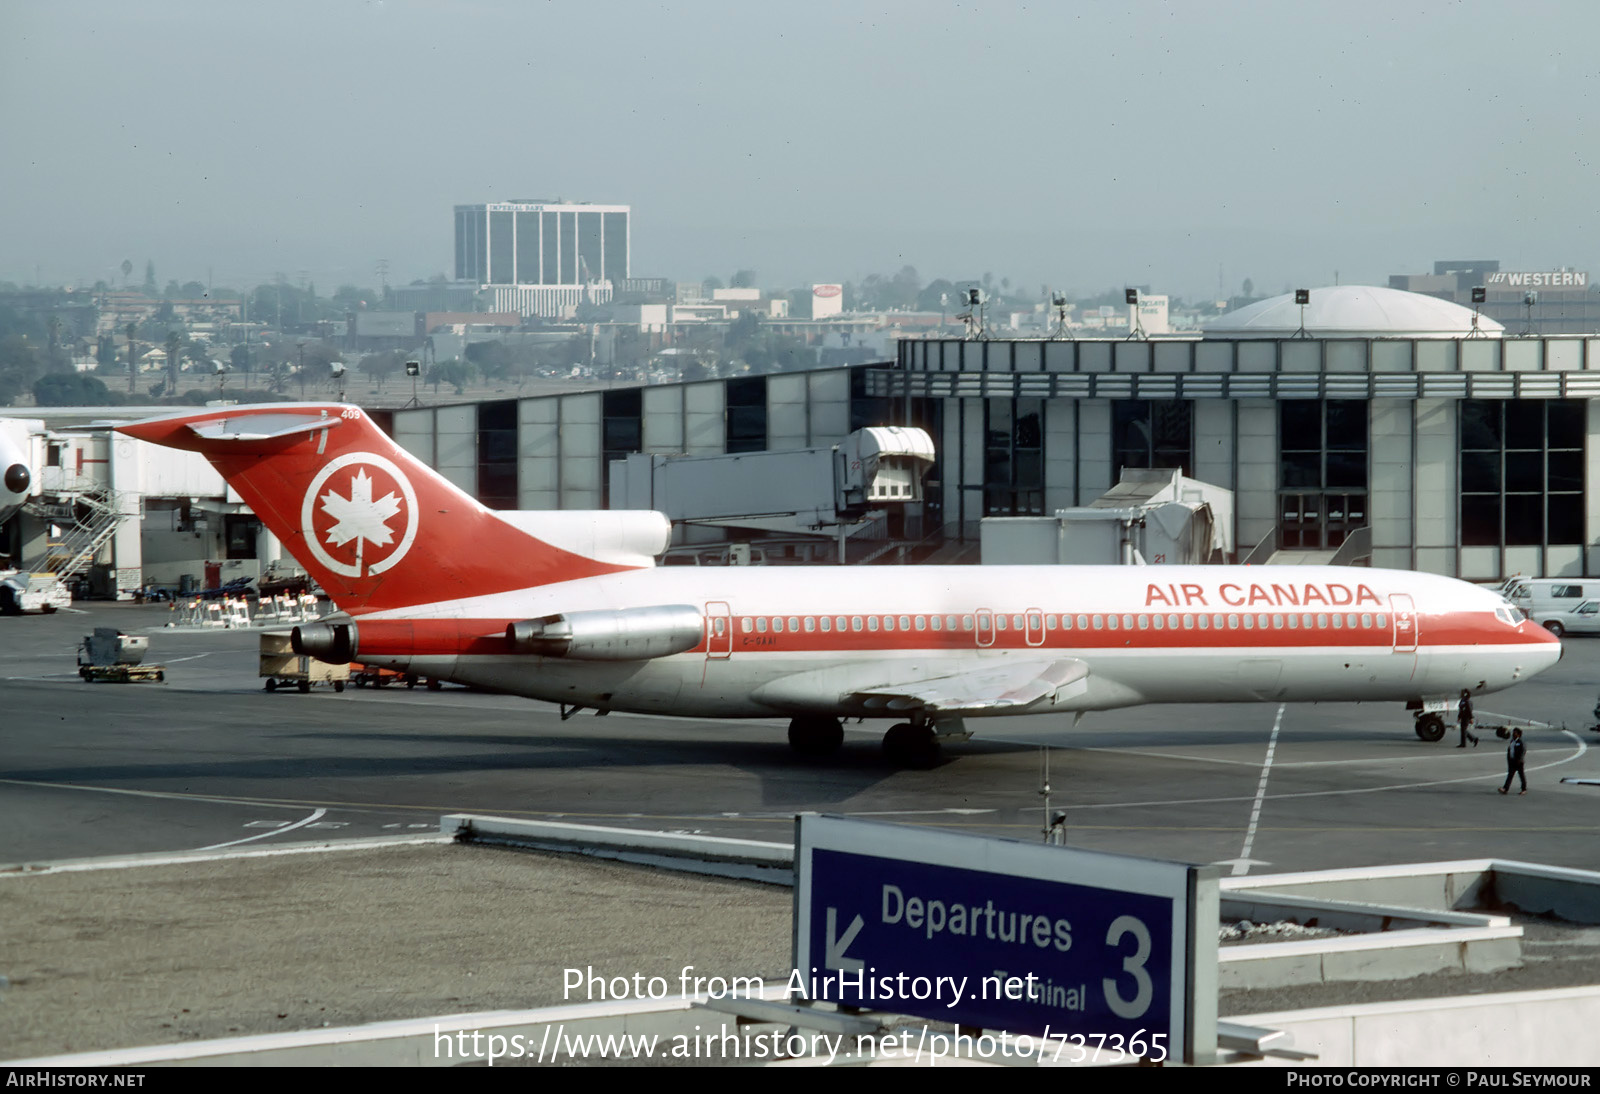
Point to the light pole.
(301, 346)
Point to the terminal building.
(1457, 449)
(1405, 424)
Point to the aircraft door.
(985, 632)
(719, 631)
(1033, 626)
(1405, 623)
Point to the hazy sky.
(1077, 145)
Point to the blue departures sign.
(998, 934)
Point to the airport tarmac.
(209, 759)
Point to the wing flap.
(1008, 686)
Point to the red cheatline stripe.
(425, 637)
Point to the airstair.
(87, 514)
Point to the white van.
(1580, 618)
(1536, 595)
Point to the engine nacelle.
(334, 643)
(632, 634)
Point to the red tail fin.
(376, 528)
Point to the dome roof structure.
(1353, 311)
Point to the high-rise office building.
(542, 257)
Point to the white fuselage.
(802, 640)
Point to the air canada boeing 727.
(427, 580)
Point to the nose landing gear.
(1430, 727)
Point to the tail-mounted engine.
(633, 634)
(334, 643)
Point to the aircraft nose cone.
(17, 478)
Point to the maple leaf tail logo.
(360, 517)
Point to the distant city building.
(543, 257)
(1562, 301)
(826, 300)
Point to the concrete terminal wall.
(1522, 1029)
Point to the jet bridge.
(809, 490)
(1152, 515)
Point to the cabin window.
(1099, 622)
(1127, 622)
(1217, 621)
(1158, 621)
(811, 624)
(1366, 619)
(1233, 622)
(794, 624)
(1016, 621)
(1338, 621)
(872, 622)
(937, 621)
(1204, 621)
(1308, 622)
(1111, 622)
(1188, 622)
(1083, 623)
(1049, 622)
(827, 624)
(1144, 622)
(718, 626)
(905, 623)
(922, 622)
(888, 622)
(1172, 622)
(855, 622)
(983, 622)
(761, 624)
(999, 622)
(1383, 619)
(777, 624)
(843, 625)
(745, 625)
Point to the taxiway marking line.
(315, 815)
(1241, 865)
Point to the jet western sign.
(1541, 279)
(1003, 935)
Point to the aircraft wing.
(1014, 684)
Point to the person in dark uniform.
(1516, 752)
(1464, 718)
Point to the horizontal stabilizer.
(261, 427)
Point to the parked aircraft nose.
(17, 478)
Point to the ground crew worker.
(1464, 718)
(1516, 752)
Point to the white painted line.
(178, 858)
(1241, 865)
(315, 816)
(171, 795)
(1493, 777)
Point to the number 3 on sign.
(1133, 965)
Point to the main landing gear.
(908, 744)
(911, 745)
(815, 735)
